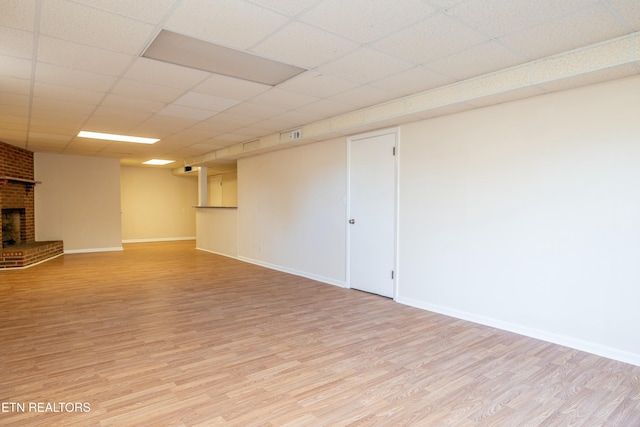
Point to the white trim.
(315, 277)
(217, 253)
(159, 239)
(90, 250)
(567, 341)
(31, 265)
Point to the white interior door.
(372, 213)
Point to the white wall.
(217, 230)
(292, 210)
(526, 216)
(157, 205)
(78, 201)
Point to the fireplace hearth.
(17, 204)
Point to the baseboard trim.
(295, 272)
(90, 250)
(159, 239)
(576, 344)
(218, 253)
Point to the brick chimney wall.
(17, 163)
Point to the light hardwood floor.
(164, 335)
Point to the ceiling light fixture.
(158, 162)
(190, 52)
(121, 138)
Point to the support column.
(202, 186)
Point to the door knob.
(352, 221)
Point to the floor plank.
(163, 334)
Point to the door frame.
(386, 131)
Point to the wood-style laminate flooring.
(165, 335)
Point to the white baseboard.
(159, 239)
(577, 344)
(295, 272)
(217, 253)
(90, 250)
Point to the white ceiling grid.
(68, 65)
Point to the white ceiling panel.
(283, 99)
(364, 96)
(236, 24)
(582, 28)
(205, 102)
(18, 14)
(230, 87)
(150, 11)
(181, 111)
(477, 60)
(497, 18)
(18, 43)
(317, 84)
(12, 85)
(628, 11)
(57, 92)
(141, 90)
(416, 79)
(129, 104)
(431, 39)
(164, 74)
(14, 101)
(73, 78)
(13, 67)
(365, 21)
(365, 65)
(304, 46)
(255, 111)
(82, 24)
(82, 57)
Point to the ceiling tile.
(175, 110)
(230, 87)
(205, 102)
(325, 108)
(80, 96)
(629, 11)
(15, 67)
(304, 46)
(165, 74)
(219, 21)
(497, 18)
(14, 100)
(16, 42)
(254, 111)
(416, 79)
(477, 60)
(128, 103)
(439, 36)
(19, 86)
(150, 11)
(150, 92)
(317, 84)
(283, 99)
(82, 57)
(375, 18)
(570, 32)
(53, 74)
(364, 96)
(288, 7)
(365, 65)
(18, 14)
(77, 23)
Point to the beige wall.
(157, 205)
(222, 190)
(78, 201)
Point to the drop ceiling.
(67, 66)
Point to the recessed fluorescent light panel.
(121, 138)
(158, 162)
(190, 52)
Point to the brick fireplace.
(19, 248)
